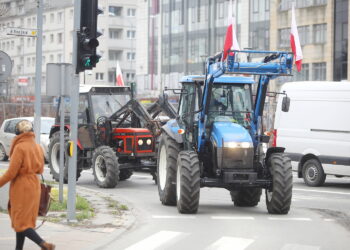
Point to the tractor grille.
(237, 158)
(129, 144)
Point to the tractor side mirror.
(285, 104)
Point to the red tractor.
(116, 135)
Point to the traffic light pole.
(38, 72)
(74, 100)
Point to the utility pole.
(38, 72)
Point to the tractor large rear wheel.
(168, 151)
(54, 159)
(105, 167)
(279, 196)
(246, 197)
(187, 182)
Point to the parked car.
(315, 131)
(7, 133)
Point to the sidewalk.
(93, 234)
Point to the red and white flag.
(295, 42)
(231, 42)
(119, 77)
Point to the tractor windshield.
(231, 103)
(106, 105)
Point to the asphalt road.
(319, 219)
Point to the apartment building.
(182, 33)
(117, 44)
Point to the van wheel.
(313, 173)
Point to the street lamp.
(204, 58)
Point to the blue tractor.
(217, 140)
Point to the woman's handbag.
(45, 198)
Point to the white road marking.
(143, 176)
(232, 218)
(329, 220)
(173, 217)
(299, 247)
(289, 219)
(225, 243)
(320, 191)
(154, 241)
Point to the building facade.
(117, 44)
(181, 34)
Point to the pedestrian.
(26, 162)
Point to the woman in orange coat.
(26, 162)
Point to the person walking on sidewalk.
(26, 162)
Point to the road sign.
(23, 81)
(5, 66)
(21, 32)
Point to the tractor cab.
(111, 144)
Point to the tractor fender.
(273, 150)
(171, 128)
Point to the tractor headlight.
(149, 141)
(140, 142)
(238, 145)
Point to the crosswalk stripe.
(232, 218)
(173, 217)
(154, 241)
(288, 219)
(235, 243)
(320, 191)
(299, 247)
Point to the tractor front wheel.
(279, 196)
(105, 167)
(125, 174)
(187, 182)
(166, 169)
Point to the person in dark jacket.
(26, 162)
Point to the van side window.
(10, 128)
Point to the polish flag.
(295, 42)
(231, 38)
(119, 76)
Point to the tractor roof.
(234, 79)
(103, 89)
(193, 78)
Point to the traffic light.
(87, 57)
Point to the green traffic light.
(87, 62)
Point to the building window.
(33, 41)
(130, 34)
(320, 2)
(115, 55)
(51, 58)
(33, 21)
(28, 42)
(303, 75)
(115, 11)
(52, 38)
(283, 38)
(130, 56)
(320, 33)
(130, 77)
(29, 22)
(99, 76)
(44, 39)
(59, 58)
(111, 76)
(28, 62)
(43, 60)
(12, 44)
(304, 34)
(59, 38)
(255, 6)
(33, 61)
(59, 17)
(319, 71)
(52, 18)
(220, 10)
(44, 19)
(115, 33)
(131, 12)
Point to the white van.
(316, 130)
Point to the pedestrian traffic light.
(87, 56)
